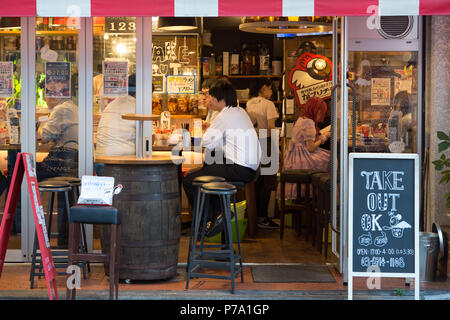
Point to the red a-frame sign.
(25, 164)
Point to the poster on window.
(380, 92)
(57, 80)
(115, 78)
(6, 79)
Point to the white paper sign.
(96, 190)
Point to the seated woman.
(304, 151)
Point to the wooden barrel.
(151, 220)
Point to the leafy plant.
(399, 292)
(443, 162)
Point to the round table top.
(156, 159)
(143, 117)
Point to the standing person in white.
(232, 149)
(263, 114)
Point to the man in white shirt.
(231, 145)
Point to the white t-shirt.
(212, 114)
(116, 136)
(261, 111)
(62, 125)
(232, 131)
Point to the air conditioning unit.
(385, 33)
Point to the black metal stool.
(200, 258)
(75, 183)
(198, 182)
(60, 256)
(95, 215)
(299, 177)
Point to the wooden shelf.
(246, 100)
(246, 76)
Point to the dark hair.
(132, 85)
(208, 83)
(224, 90)
(403, 100)
(258, 84)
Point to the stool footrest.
(88, 257)
(213, 264)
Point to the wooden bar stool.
(95, 215)
(316, 204)
(323, 213)
(299, 177)
(225, 258)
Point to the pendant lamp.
(177, 24)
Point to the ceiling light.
(176, 24)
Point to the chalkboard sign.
(383, 214)
(159, 83)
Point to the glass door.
(10, 121)
(56, 93)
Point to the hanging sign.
(6, 79)
(384, 216)
(311, 77)
(57, 80)
(115, 78)
(180, 84)
(25, 165)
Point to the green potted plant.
(443, 162)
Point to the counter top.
(157, 117)
(156, 159)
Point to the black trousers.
(231, 172)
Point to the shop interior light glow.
(121, 48)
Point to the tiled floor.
(267, 248)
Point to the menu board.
(380, 92)
(115, 78)
(6, 79)
(180, 84)
(383, 213)
(57, 80)
(158, 84)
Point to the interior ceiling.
(221, 23)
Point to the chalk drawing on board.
(397, 226)
(381, 241)
(365, 239)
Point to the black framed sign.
(384, 216)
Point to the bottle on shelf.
(219, 64)
(247, 63)
(212, 64)
(264, 59)
(234, 63)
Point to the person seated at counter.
(211, 114)
(232, 149)
(116, 136)
(60, 133)
(304, 151)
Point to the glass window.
(114, 88)
(10, 114)
(383, 108)
(57, 109)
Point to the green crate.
(242, 228)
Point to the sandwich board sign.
(383, 217)
(25, 165)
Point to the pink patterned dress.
(298, 156)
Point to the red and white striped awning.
(221, 8)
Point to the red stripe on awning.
(18, 8)
(135, 8)
(434, 7)
(262, 8)
(343, 7)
